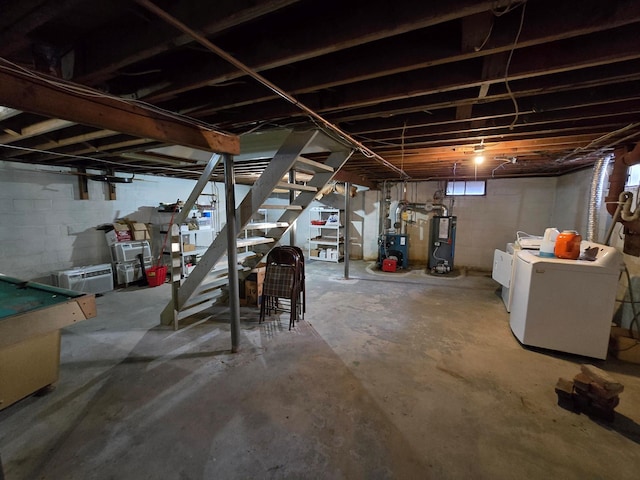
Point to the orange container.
(156, 275)
(568, 245)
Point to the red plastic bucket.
(156, 275)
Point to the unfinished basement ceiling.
(540, 87)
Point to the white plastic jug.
(549, 242)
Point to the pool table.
(31, 316)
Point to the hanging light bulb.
(479, 159)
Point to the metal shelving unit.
(326, 238)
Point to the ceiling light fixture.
(479, 159)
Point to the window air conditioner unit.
(90, 279)
(128, 251)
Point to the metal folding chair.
(284, 278)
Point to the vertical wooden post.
(83, 184)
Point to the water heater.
(442, 241)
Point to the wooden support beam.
(19, 90)
(83, 184)
(347, 176)
(111, 186)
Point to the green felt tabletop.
(17, 296)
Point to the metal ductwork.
(595, 197)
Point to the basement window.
(464, 187)
(633, 180)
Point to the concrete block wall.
(484, 223)
(572, 203)
(490, 222)
(45, 227)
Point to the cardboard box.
(253, 292)
(139, 231)
(623, 346)
(188, 247)
(314, 252)
(120, 233)
(258, 273)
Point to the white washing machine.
(565, 305)
(504, 268)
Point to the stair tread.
(296, 186)
(273, 206)
(248, 241)
(263, 225)
(198, 303)
(303, 163)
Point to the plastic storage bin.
(156, 275)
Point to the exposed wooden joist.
(541, 111)
(602, 49)
(19, 90)
(410, 54)
(308, 40)
(36, 129)
(67, 141)
(24, 16)
(108, 53)
(354, 178)
(625, 75)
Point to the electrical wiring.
(604, 148)
(498, 167)
(513, 4)
(138, 74)
(486, 39)
(9, 66)
(99, 160)
(202, 40)
(506, 72)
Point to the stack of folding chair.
(284, 284)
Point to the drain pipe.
(595, 197)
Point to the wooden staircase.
(207, 282)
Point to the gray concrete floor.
(399, 375)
